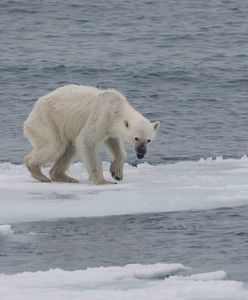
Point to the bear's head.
(140, 134)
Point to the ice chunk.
(5, 230)
(157, 271)
(218, 275)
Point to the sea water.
(179, 220)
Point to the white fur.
(74, 119)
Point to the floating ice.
(5, 230)
(204, 184)
(218, 275)
(119, 283)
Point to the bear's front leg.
(87, 151)
(118, 153)
(116, 169)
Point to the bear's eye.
(148, 141)
(136, 139)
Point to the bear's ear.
(156, 124)
(126, 124)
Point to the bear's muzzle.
(141, 151)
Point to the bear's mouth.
(140, 156)
(140, 150)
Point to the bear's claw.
(116, 170)
(116, 177)
(41, 178)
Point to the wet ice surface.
(129, 282)
(204, 184)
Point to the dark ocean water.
(182, 62)
(203, 240)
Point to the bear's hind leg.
(57, 173)
(43, 151)
(34, 166)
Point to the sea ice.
(120, 283)
(204, 184)
(5, 230)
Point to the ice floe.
(121, 283)
(204, 184)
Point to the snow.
(120, 283)
(204, 184)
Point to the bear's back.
(70, 93)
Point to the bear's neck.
(132, 115)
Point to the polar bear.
(72, 120)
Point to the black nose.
(141, 151)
